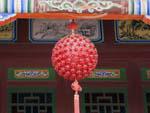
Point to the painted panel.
(8, 32)
(76, 6)
(108, 74)
(42, 30)
(31, 74)
(145, 74)
(132, 31)
(82, 6)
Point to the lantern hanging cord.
(77, 88)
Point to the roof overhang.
(75, 9)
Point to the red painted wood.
(26, 55)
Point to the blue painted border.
(148, 7)
(14, 34)
(137, 6)
(100, 39)
(117, 38)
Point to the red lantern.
(74, 57)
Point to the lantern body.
(74, 57)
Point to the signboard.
(108, 74)
(31, 74)
(145, 73)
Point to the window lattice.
(147, 102)
(31, 102)
(105, 102)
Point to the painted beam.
(101, 8)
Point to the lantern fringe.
(77, 88)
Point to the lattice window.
(147, 101)
(31, 101)
(102, 101)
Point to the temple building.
(32, 82)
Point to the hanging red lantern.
(74, 57)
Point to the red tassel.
(76, 87)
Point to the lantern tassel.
(76, 87)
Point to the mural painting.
(132, 31)
(7, 32)
(53, 30)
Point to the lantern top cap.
(72, 25)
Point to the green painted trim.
(5, 5)
(106, 90)
(11, 76)
(122, 75)
(15, 89)
(144, 74)
(132, 2)
(29, 6)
